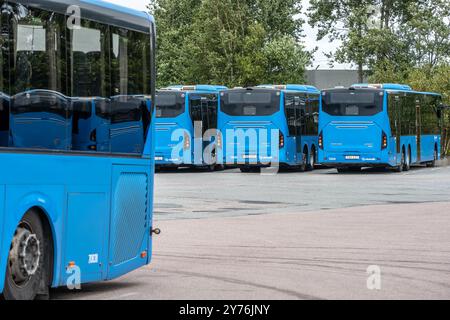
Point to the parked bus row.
(298, 127)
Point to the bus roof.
(199, 87)
(383, 86)
(99, 11)
(391, 87)
(291, 87)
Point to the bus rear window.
(169, 105)
(251, 103)
(353, 103)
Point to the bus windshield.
(169, 104)
(353, 103)
(251, 103)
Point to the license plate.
(159, 158)
(351, 157)
(250, 156)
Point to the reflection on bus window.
(129, 123)
(91, 124)
(4, 120)
(40, 119)
(101, 72)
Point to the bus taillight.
(281, 140)
(321, 140)
(384, 141)
(187, 141)
(219, 140)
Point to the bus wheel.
(25, 271)
(402, 163)
(311, 161)
(343, 170)
(407, 165)
(432, 164)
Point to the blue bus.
(76, 199)
(381, 125)
(178, 110)
(257, 121)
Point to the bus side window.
(212, 111)
(291, 114)
(130, 85)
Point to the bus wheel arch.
(30, 277)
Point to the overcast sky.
(310, 41)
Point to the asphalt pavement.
(316, 235)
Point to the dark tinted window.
(89, 58)
(40, 108)
(295, 108)
(40, 101)
(169, 104)
(103, 108)
(353, 102)
(4, 79)
(312, 115)
(203, 108)
(431, 123)
(127, 109)
(403, 113)
(251, 103)
(48, 69)
(39, 61)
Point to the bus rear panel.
(76, 144)
(270, 126)
(186, 125)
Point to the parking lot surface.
(228, 235)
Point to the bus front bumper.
(336, 160)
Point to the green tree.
(232, 42)
(174, 26)
(389, 35)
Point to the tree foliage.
(398, 35)
(231, 42)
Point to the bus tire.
(311, 160)
(26, 277)
(407, 165)
(400, 167)
(342, 170)
(432, 164)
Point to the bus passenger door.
(398, 123)
(418, 129)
